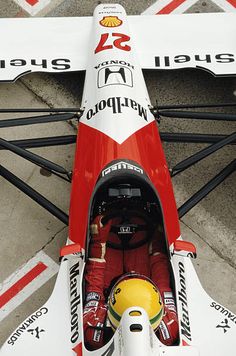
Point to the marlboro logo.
(182, 294)
(74, 303)
(117, 105)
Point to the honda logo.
(125, 230)
(115, 75)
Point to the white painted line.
(180, 6)
(156, 7)
(25, 281)
(169, 7)
(226, 5)
(184, 7)
(33, 6)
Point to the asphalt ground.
(26, 228)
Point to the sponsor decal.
(121, 165)
(114, 62)
(125, 230)
(111, 21)
(165, 332)
(56, 64)
(24, 326)
(36, 332)
(97, 333)
(224, 325)
(182, 295)
(75, 302)
(92, 303)
(116, 104)
(168, 299)
(168, 61)
(109, 9)
(92, 296)
(115, 75)
(113, 298)
(107, 12)
(106, 42)
(224, 311)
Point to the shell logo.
(111, 21)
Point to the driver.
(107, 263)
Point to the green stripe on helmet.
(156, 317)
(113, 313)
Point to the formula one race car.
(119, 155)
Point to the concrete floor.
(26, 228)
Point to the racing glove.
(99, 232)
(95, 266)
(94, 317)
(95, 310)
(168, 330)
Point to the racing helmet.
(135, 290)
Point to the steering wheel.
(125, 231)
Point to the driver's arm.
(95, 308)
(168, 330)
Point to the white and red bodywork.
(109, 136)
(118, 125)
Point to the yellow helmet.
(134, 290)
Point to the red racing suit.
(106, 264)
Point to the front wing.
(205, 41)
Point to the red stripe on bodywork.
(78, 349)
(143, 147)
(232, 2)
(170, 7)
(22, 283)
(70, 249)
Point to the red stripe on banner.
(232, 2)
(32, 2)
(22, 283)
(171, 7)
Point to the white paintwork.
(43, 38)
(190, 35)
(117, 94)
(54, 318)
(198, 311)
(68, 39)
(61, 316)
